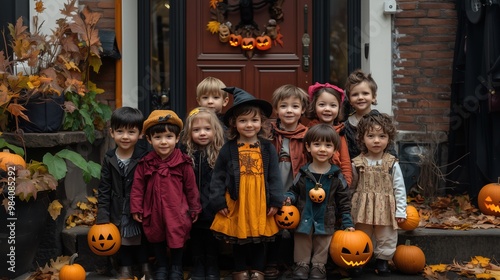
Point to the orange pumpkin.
(7, 158)
(235, 40)
(317, 194)
(104, 239)
(351, 249)
(287, 217)
(72, 271)
(488, 199)
(248, 43)
(263, 42)
(408, 258)
(412, 219)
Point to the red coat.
(298, 153)
(165, 193)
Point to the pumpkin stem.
(407, 242)
(72, 258)
(498, 180)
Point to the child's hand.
(137, 217)
(400, 220)
(350, 229)
(194, 217)
(224, 212)
(272, 211)
(288, 200)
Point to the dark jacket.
(113, 198)
(319, 218)
(226, 175)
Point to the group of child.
(223, 177)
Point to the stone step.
(444, 245)
(438, 245)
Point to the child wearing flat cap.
(164, 195)
(246, 188)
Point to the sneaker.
(355, 272)
(382, 267)
(318, 271)
(301, 271)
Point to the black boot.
(382, 267)
(176, 273)
(146, 271)
(125, 273)
(161, 273)
(212, 268)
(198, 269)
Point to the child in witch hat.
(246, 186)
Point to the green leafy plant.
(86, 113)
(41, 176)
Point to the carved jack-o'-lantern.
(350, 249)
(248, 43)
(287, 217)
(488, 199)
(104, 239)
(224, 33)
(235, 40)
(263, 42)
(317, 194)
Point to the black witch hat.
(241, 98)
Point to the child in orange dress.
(246, 188)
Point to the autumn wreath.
(246, 34)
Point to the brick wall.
(424, 38)
(106, 77)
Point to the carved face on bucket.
(288, 217)
(104, 239)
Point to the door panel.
(265, 70)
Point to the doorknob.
(306, 40)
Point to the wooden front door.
(259, 73)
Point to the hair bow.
(317, 86)
(164, 119)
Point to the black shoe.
(176, 273)
(356, 272)
(271, 272)
(301, 271)
(212, 271)
(198, 269)
(382, 267)
(161, 273)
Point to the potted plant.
(48, 69)
(25, 188)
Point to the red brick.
(405, 22)
(441, 5)
(412, 14)
(437, 22)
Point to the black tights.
(249, 256)
(160, 250)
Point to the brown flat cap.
(162, 116)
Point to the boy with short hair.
(209, 94)
(114, 190)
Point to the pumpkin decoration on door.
(263, 42)
(351, 249)
(317, 194)
(488, 199)
(104, 239)
(408, 258)
(412, 219)
(287, 217)
(72, 271)
(235, 40)
(251, 35)
(7, 158)
(224, 33)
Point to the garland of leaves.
(246, 34)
